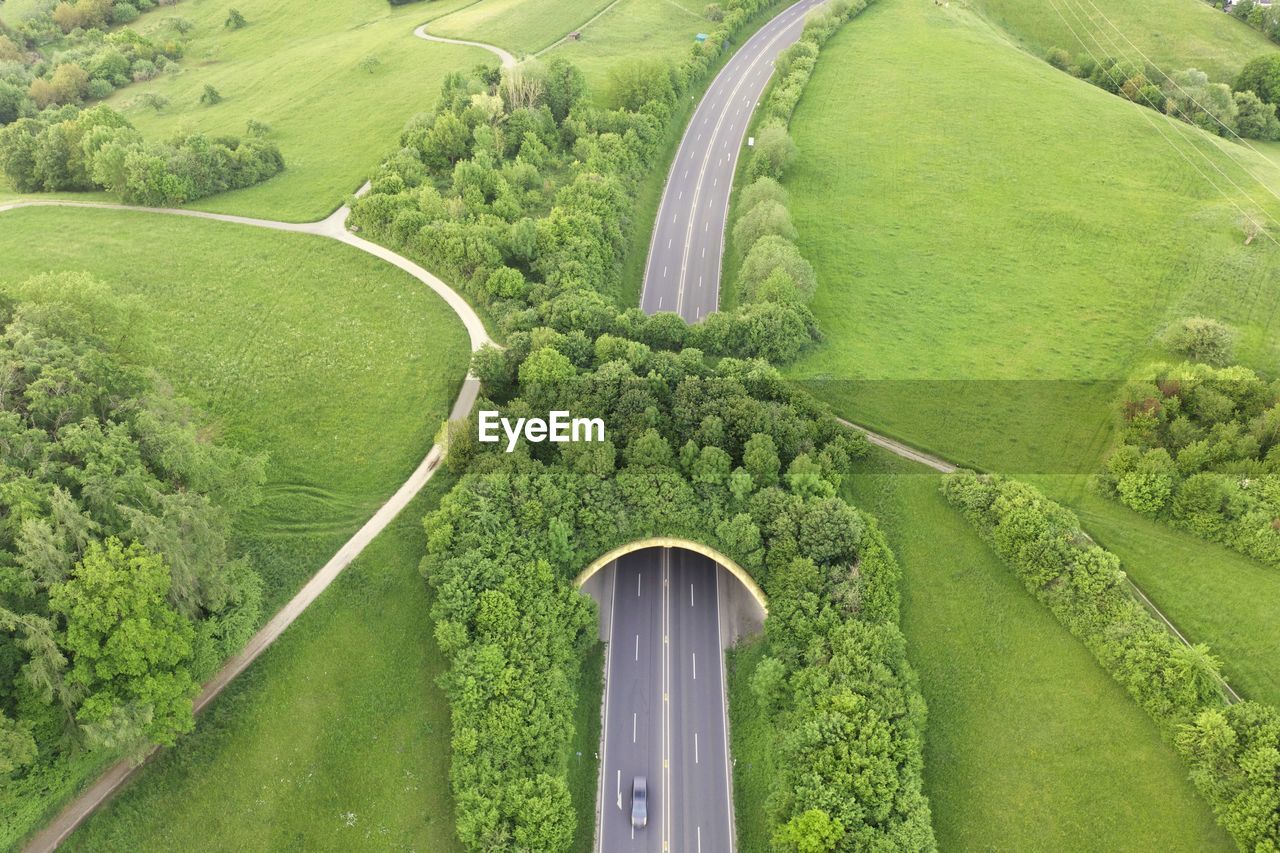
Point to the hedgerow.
(97, 148)
(1233, 750)
(731, 457)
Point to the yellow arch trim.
(674, 542)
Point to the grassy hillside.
(634, 29)
(314, 748)
(1173, 34)
(337, 365)
(297, 67)
(1030, 746)
(984, 217)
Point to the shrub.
(1200, 339)
(235, 20)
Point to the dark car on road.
(639, 802)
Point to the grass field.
(521, 26)
(1044, 233)
(296, 66)
(338, 366)
(1030, 745)
(633, 29)
(336, 739)
(1173, 34)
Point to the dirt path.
(332, 227)
(508, 61)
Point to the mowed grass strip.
(982, 216)
(1173, 34)
(336, 739)
(521, 26)
(297, 66)
(1030, 745)
(338, 366)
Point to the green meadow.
(335, 81)
(1172, 34)
(1030, 744)
(336, 365)
(521, 26)
(995, 240)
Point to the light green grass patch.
(1030, 745)
(337, 365)
(296, 67)
(1172, 34)
(336, 739)
(520, 26)
(632, 29)
(982, 216)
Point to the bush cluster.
(1200, 449)
(1186, 95)
(731, 457)
(1261, 16)
(67, 56)
(1233, 750)
(97, 148)
(118, 589)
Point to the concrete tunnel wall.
(673, 542)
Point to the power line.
(1156, 127)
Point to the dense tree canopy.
(118, 587)
(731, 457)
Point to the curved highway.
(683, 271)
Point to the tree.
(13, 102)
(761, 190)
(774, 152)
(235, 20)
(1190, 96)
(635, 83)
(1261, 75)
(565, 86)
(17, 747)
(760, 458)
(447, 142)
(130, 650)
(765, 218)
(1256, 119)
(210, 96)
(768, 255)
(69, 83)
(1200, 339)
(813, 831)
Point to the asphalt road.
(665, 707)
(683, 270)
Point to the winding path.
(332, 227)
(508, 61)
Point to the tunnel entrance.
(667, 612)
